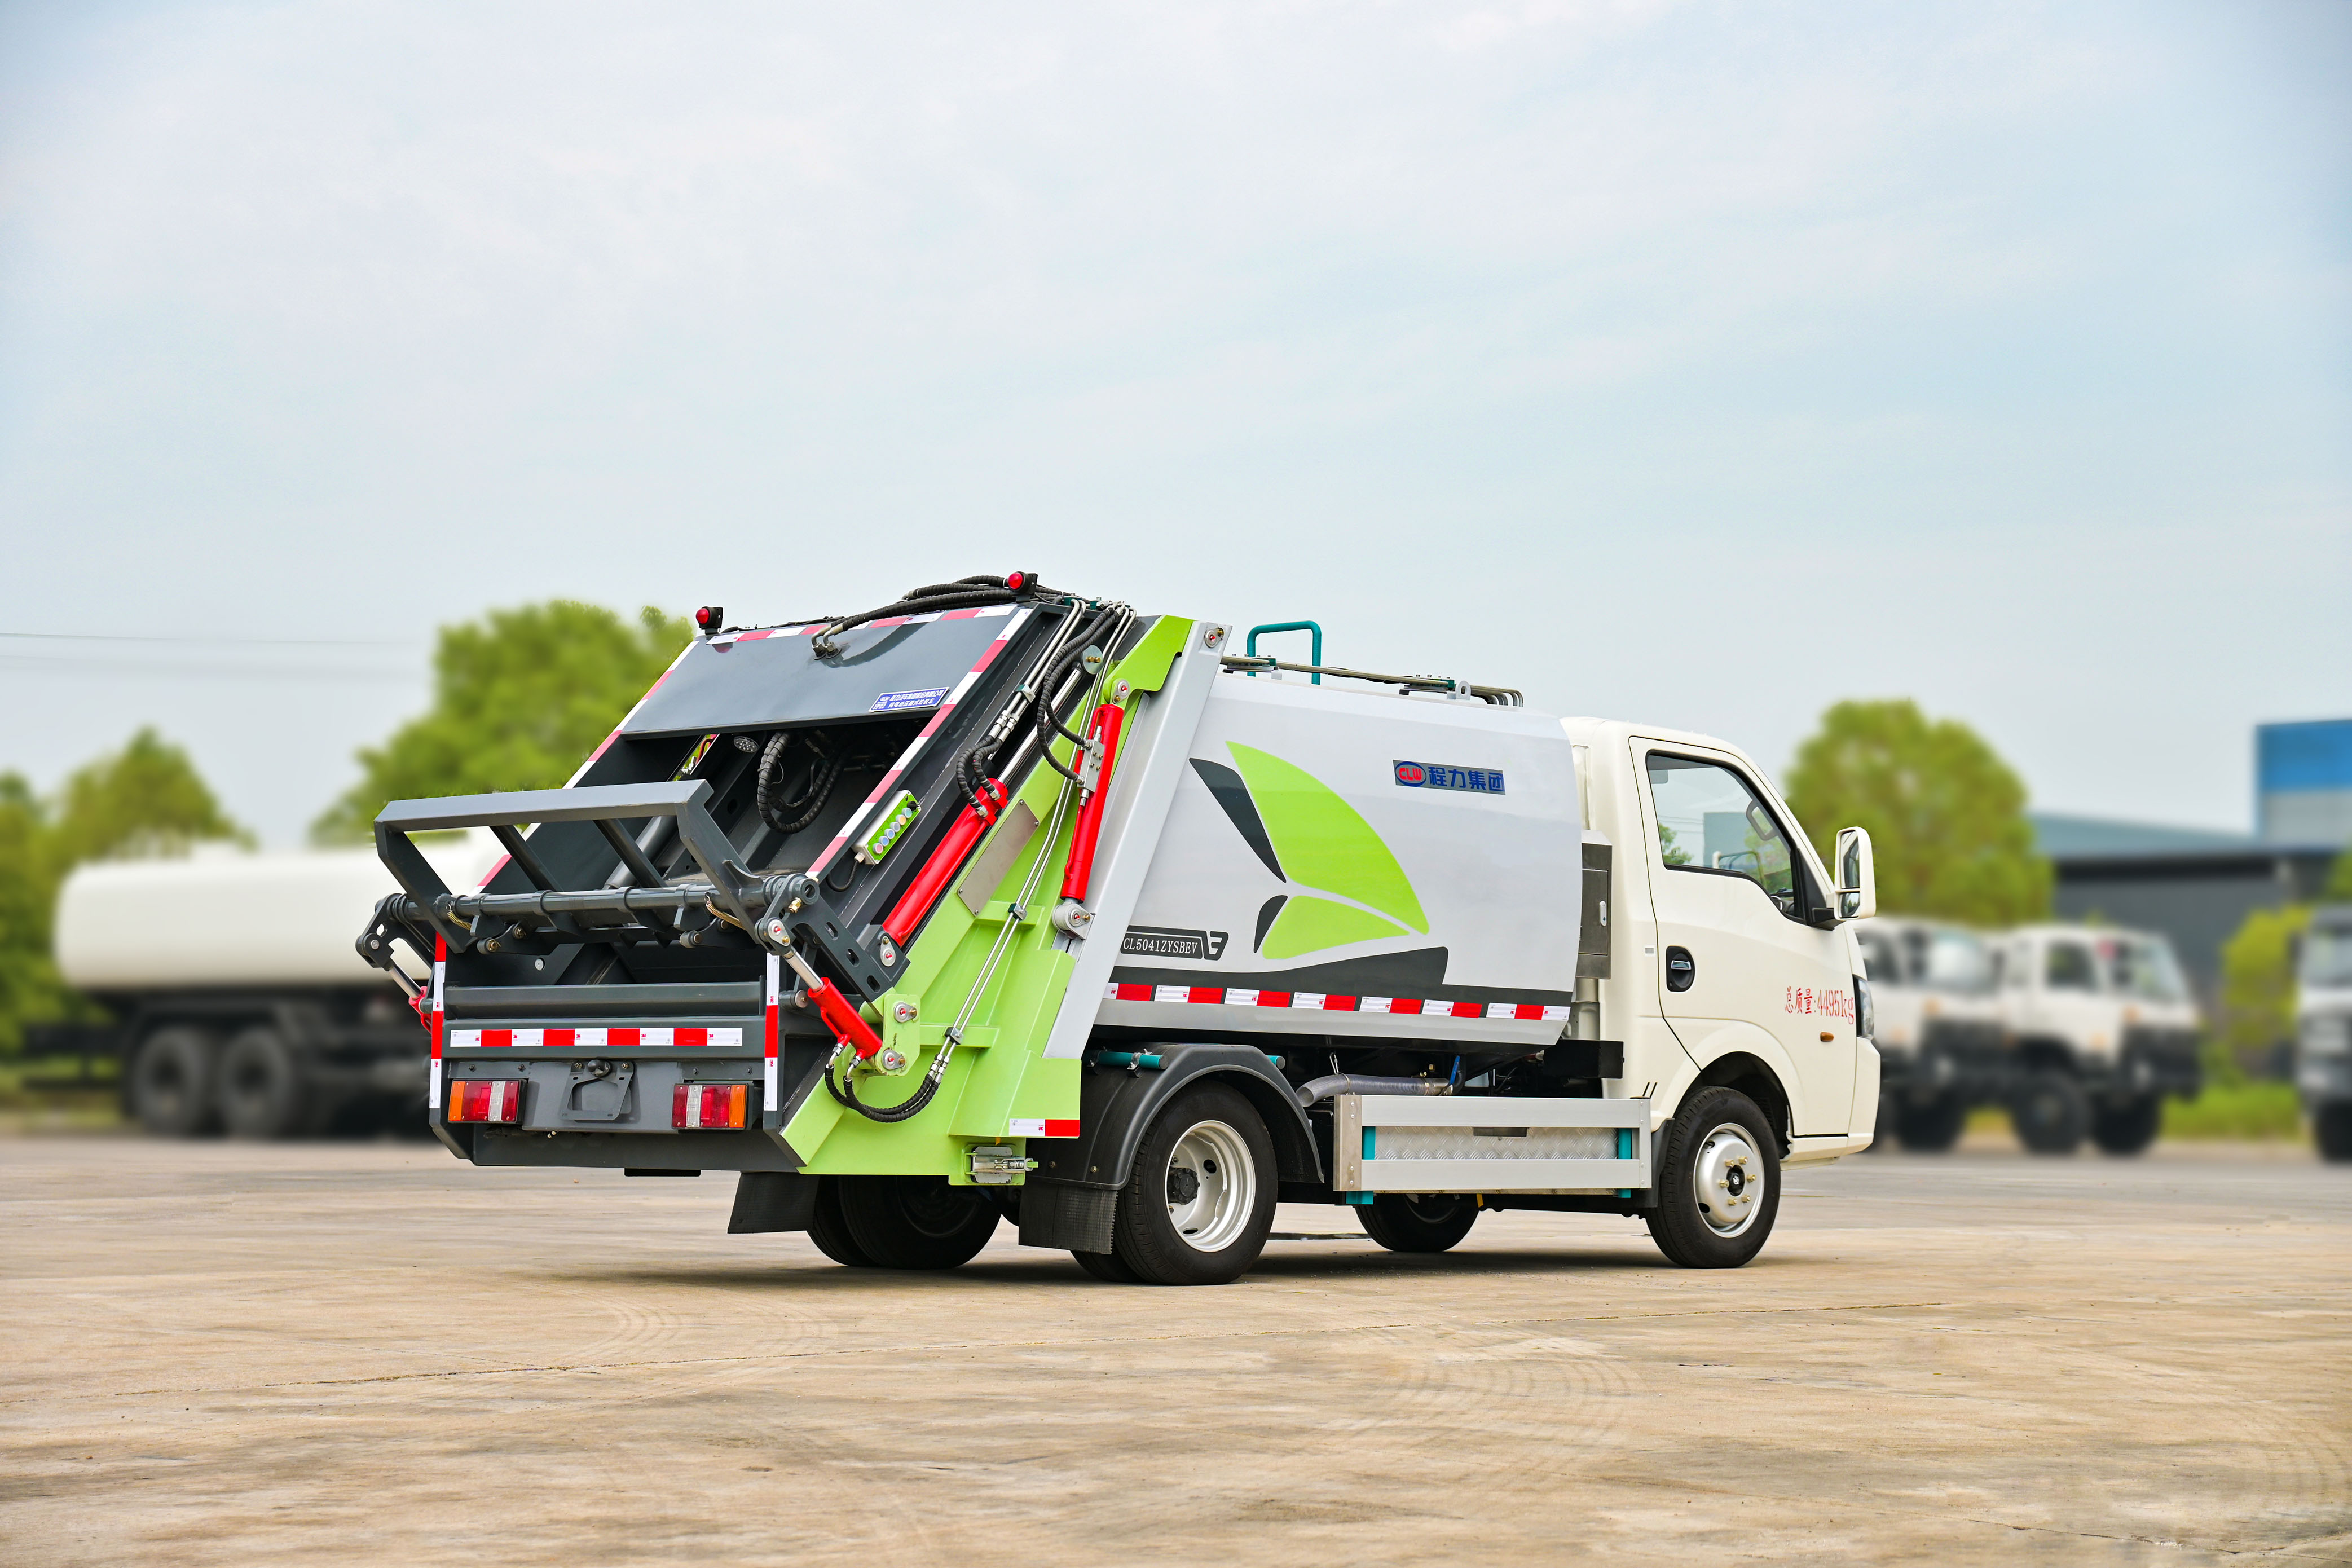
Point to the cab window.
(1710, 822)
(2069, 966)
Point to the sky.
(1696, 364)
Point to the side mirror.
(1857, 876)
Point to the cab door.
(1730, 894)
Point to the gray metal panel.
(608, 1150)
(759, 683)
(520, 805)
(1352, 1113)
(1143, 782)
(735, 999)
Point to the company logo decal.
(1352, 890)
(1444, 775)
(904, 701)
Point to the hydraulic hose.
(823, 773)
(1323, 1088)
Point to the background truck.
(2101, 1028)
(1938, 1028)
(2323, 1043)
(998, 902)
(235, 998)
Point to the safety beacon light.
(710, 617)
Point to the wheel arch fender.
(1752, 1061)
(1116, 1106)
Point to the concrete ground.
(222, 1354)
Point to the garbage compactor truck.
(1938, 1029)
(1001, 901)
(217, 1030)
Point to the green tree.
(519, 698)
(146, 799)
(1946, 815)
(2258, 987)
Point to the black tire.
(260, 1089)
(830, 1231)
(1935, 1127)
(2331, 1128)
(171, 1081)
(1881, 1132)
(1718, 1154)
(1414, 1223)
(2130, 1128)
(918, 1222)
(1107, 1268)
(1200, 1204)
(2050, 1112)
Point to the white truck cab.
(2323, 1046)
(1731, 965)
(1939, 1027)
(2101, 1028)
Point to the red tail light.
(697, 1105)
(485, 1099)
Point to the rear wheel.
(171, 1081)
(830, 1231)
(1200, 1204)
(2050, 1112)
(1935, 1127)
(262, 1090)
(918, 1222)
(2331, 1127)
(1718, 1181)
(1407, 1222)
(2129, 1128)
(1107, 1268)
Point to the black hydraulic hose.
(971, 593)
(823, 773)
(845, 1093)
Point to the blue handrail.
(1315, 657)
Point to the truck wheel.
(1718, 1181)
(830, 1231)
(262, 1090)
(1406, 1223)
(172, 1082)
(2127, 1129)
(2331, 1128)
(1933, 1127)
(1107, 1268)
(917, 1222)
(2050, 1112)
(1200, 1204)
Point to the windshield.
(2327, 955)
(1879, 962)
(1955, 961)
(2144, 967)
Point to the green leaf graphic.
(1323, 843)
(1308, 924)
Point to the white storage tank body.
(1412, 861)
(222, 916)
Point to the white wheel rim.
(1212, 1162)
(1728, 1177)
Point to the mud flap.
(1067, 1217)
(773, 1200)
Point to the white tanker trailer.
(237, 1002)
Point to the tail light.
(699, 1105)
(485, 1099)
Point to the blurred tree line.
(2257, 979)
(520, 697)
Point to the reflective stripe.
(594, 1039)
(1321, 1001)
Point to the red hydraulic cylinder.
(1081, 869)
(941, 869)
(842, 1018)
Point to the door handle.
(1681, 970)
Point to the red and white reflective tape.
(1321, 1001)
(940, 716)
(1030, 1127)
(433, 1022)
(592, 1040)
(775, 979)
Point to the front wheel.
(1200, 1202)
(1406, 1223)
(917, 1222)
(1935, 1127)
(2050, 1112)
(2331, 1127)
(1719, 1180)
(2129, 1128)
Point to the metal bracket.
(996, 1164)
